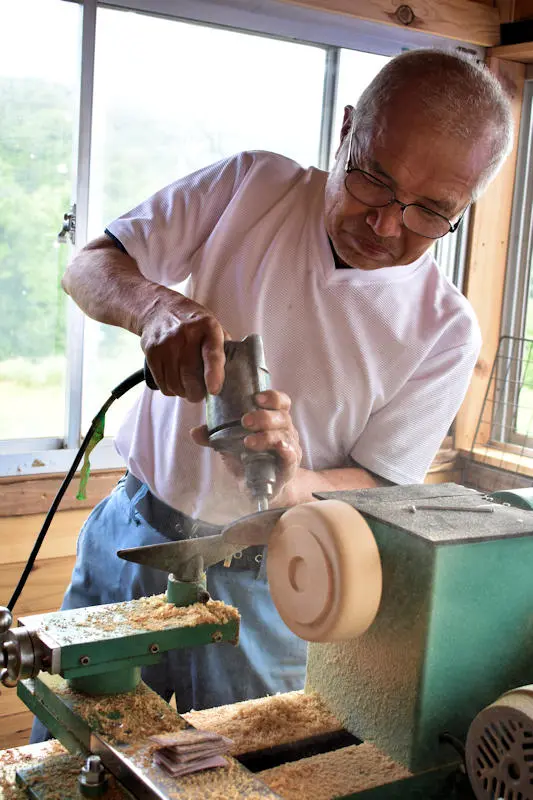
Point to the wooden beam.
(464, 20)
(523, 9)
(34, 494)
(507, 9)
(487, 262)
(522, 53)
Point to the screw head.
(85, 661)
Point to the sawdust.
(127, 717)
(341, 772)
(152, 612)
(224, 783)
(145, 614)
(267, 722)
(58, 778)
(19, 758)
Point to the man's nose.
(386, 222)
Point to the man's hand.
(184, 346)
(271, 428)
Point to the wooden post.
(485, 276)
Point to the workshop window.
(38, 98)
(240, 92)
(146, 99)
(511, 401)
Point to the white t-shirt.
(376, 362)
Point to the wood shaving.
(228, 783)
(126, 717)
(58, 778)
(18, 758)
(267, 722)
(336, 774)
(120, 619)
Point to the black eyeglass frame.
(349, 168)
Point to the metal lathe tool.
(186, 560)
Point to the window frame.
(328, 31)
(517, 280)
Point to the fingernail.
(250, 441)
(260, 398)
(248, 420)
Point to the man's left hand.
(271, 428)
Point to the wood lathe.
(417, 606)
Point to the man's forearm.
(107, 285)
(301, 488)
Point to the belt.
(167, 521)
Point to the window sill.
(53, 462)
(502, 459)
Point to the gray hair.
(453, 92)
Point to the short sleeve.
(400, 440)
(164, 232)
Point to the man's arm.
(106, 284)
(306, 481)
(183, 342)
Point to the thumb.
(199, 435)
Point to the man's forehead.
(442, 197)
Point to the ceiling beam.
(464, 20)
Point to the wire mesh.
(503, 439)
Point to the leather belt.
(165, 520)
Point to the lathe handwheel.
(324, 571)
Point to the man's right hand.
(183, 343)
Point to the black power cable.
(117, 392)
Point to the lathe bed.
(263, 729)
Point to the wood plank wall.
(44, 591)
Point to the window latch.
(68, 229)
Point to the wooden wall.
(44, 591)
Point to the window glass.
(171, 97)
(356, 70)
(38, 101)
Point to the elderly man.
(370, 347)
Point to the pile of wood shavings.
(19, 758)
(127, 717)
(225, 783)
(335, 774)
(155, 613)
(145, 614)
(58, 778)
(267, 722)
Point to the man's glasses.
(370, 191)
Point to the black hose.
(117, 392)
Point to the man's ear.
(346, 126)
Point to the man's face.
(421, 166)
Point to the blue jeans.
(268, 659)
